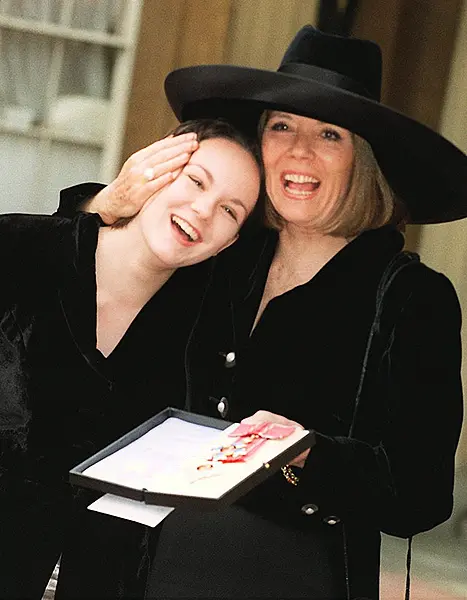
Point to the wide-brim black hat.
(336, 80)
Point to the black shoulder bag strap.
(399, 262)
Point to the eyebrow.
(285, 115)
(278, 113)
(208, 173)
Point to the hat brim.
(426, 171)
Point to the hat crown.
(357, 60)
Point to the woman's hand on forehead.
(144, 173)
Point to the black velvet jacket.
(394, 473)
(61, 400)
(304, 360)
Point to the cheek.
(347, 174)
(269, 151)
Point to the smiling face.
(308, 167)
(201, 211)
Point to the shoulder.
(23, 235)
(23, 228)
(31, 242)
(17, 227)
(426, 295)
(424, 281)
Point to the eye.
(196, 181)
(278, 126)
(230, 211)
(331, 134)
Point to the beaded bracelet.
(290, 475)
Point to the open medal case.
(177, 458)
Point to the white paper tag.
(131, 510)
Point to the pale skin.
(204, 198)
(131, 189)
(308, 167)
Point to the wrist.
(100, 204)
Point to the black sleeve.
(72, 198)
(26, 242)
(404, 484)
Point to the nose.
(302, 146)
(203, 206)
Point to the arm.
(142, 175)
(404, 484)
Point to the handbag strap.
(398, 263)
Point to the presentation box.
(163, 461)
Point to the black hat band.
(328, 77)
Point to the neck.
(299, 247)
(126, 272)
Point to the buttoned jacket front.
(392, 470)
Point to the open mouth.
(300, 185)
(188, 232)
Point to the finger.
(165, 143)
(264, 416)
(172, 165)
(271, 418)
(299, 461)
(169, 153)
(158, 183)
(176, 173)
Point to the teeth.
(300, 193)
(296, 178)
(186, 227)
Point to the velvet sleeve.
(27, 244)
(404, 484)
(72, 198)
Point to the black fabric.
(356, 60)
(60, 399)
(303, 360)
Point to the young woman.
(77, 369)
(332, 327)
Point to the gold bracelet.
(290, 475)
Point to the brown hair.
(370, 202)
(206, 129)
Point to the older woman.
(332, 328)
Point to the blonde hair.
(369, 203)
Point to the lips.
(185, 230)
(299, 185)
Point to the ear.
(232, 241)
